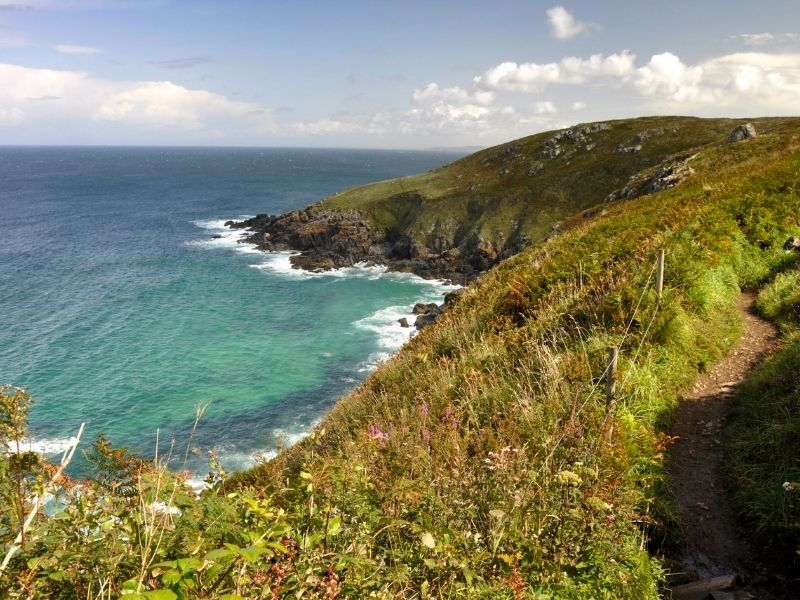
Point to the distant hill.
(460, 219)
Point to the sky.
(374, 74)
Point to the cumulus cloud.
(563, 24)
(769, 81)
(80, 50)
(77, 97)
(454, 103)
(530, 77)
(667, 76)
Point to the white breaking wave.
(238, 460)
(44, 445)
(224, 237)
(279, 263)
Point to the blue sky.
(379, 74)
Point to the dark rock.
(423, 321)
(742, 132)
(705, 588)
(792, 244)
(426, 309)
(216, 236)
(403, 322)
(313, 263)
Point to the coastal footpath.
(541, 439)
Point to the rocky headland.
(457, 221)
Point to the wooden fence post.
(660, 278)
(611, 374)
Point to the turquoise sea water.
(119, 306)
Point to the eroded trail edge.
(712, 544)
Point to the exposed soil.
(712, 543)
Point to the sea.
(127, 305)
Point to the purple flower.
(423, 409)
(449, 418)
(375, 433)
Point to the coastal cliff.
(461, 219)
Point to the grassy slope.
(764, 436)
(486, 430)
(490, 193)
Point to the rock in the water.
(424, 320)
(403, 322)
(426, 309)
(742, 132)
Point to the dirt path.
(713, 545)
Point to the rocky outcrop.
(575, 136)
(667, 175)
(326, 239)
(742, 132)
(331, 239)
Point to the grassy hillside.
(490, 429)
(517, 192)
(764, 436)
(482, 461)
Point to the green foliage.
(482, 461)
(764, 436)
(510, 193)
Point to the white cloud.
(433, 93)
(563, 24)
(765, 38)
(78, 98)
(545, 108)
(327, 126)
(770, 82)
(756, 39)
(578, 105)
(452, 103)
(666, 76)
(528, 77)
(80, 50)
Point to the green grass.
(489, 195)
(482, 461)
(506, 378)
(764, 435)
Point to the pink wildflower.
(375, 433)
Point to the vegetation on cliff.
(459, 220)
(482, 461)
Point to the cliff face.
(329, 239)
(461, 219)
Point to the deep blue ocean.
(121, 306)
